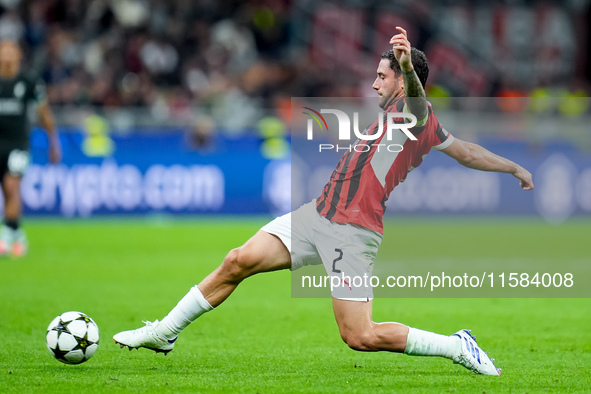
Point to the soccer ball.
(72, 337)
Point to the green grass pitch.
(262, 340)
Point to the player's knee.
(232, 267)
(238, 264)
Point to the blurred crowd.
(174, 54)
(225, 58)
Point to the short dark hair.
(419, 62)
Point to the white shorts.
(14, 163)
(347, 251)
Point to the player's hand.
(55, 152)
(525, 178)
(401, 47)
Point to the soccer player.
(17, 89)
(344, 224)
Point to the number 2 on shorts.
(334, 262)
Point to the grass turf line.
(261, 340)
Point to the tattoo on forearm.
(412, 84)
(414, 88)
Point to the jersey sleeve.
(443, 138)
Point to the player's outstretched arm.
(46, 118)
(475, 156)
(412, 83)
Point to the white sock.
(425, 343)
(189, 308)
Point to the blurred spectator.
(159, 57)
(200, 136)
(236, 58)
(11, 27)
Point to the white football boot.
(20, 245)
(6, 240)
(473, 357)
(147, 337)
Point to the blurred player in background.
(17, 89)
(344, 226)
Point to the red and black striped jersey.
(366, 174)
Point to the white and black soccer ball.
(72, 337)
